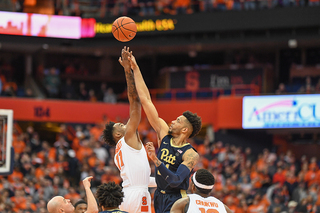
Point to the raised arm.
(158, 124)
(135, 105)
(92, 203)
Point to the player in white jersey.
(130, 155)
(200, 201)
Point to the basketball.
(124, 29)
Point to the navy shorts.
(164, 201)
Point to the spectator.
(83, 93)
(29, 93)
(52, 83)
(92, 96)
(307, 88)
(103, 90)
(67, 90)
(110, 97)
(281, 89)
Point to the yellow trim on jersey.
(183, 193)
(177, 146)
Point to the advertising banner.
(281, 111)
(29, 24)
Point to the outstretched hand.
(133, 61)
(124, 59)
(86, 182)
(151, 151)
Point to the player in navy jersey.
(176, 157)
(110, 196)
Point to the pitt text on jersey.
(166, 157)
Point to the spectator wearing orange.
(256, 207)
(73, 196)
(310, 176)
(110, 175)
(39, 172)
(18, 199)
(84, 151)
(18, 144)
(313, 164)
(96, 131)
(47, 152)
(28, 205)
(53, 167)
(256, 179)
(243, 207)
(232, 206)
(182, 6)
(16, 175)
(94, 162)
(279, 176)
(303, 172)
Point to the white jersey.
(135, 172)
(200, 204)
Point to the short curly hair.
(109, 195)
(195, 121)
(204, 177)
(107, 134)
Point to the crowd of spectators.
(248, 183)
(112, 8)
(306, 86)
(157, 7)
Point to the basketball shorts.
(136, 200)
(164, 201)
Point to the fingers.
(88, 178)
(150, 144)
(120, 60)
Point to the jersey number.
(119, 160)
(208, 211)
(144, 206)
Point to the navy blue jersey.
(171, 156)
(114, 211)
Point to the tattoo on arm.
(158, 162)
(186, 207)
(191, 160)
(132, 91)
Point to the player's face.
(177, 125)
(67, 205)
(81, 208)
(120, 127)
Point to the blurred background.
(59, 72)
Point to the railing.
(202, 94)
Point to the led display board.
(29, 24)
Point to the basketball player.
(176, 157)
(80, 206)
(58, 204)
(130, 155)
(110, 197)
(200, 201)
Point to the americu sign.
(282, 111)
